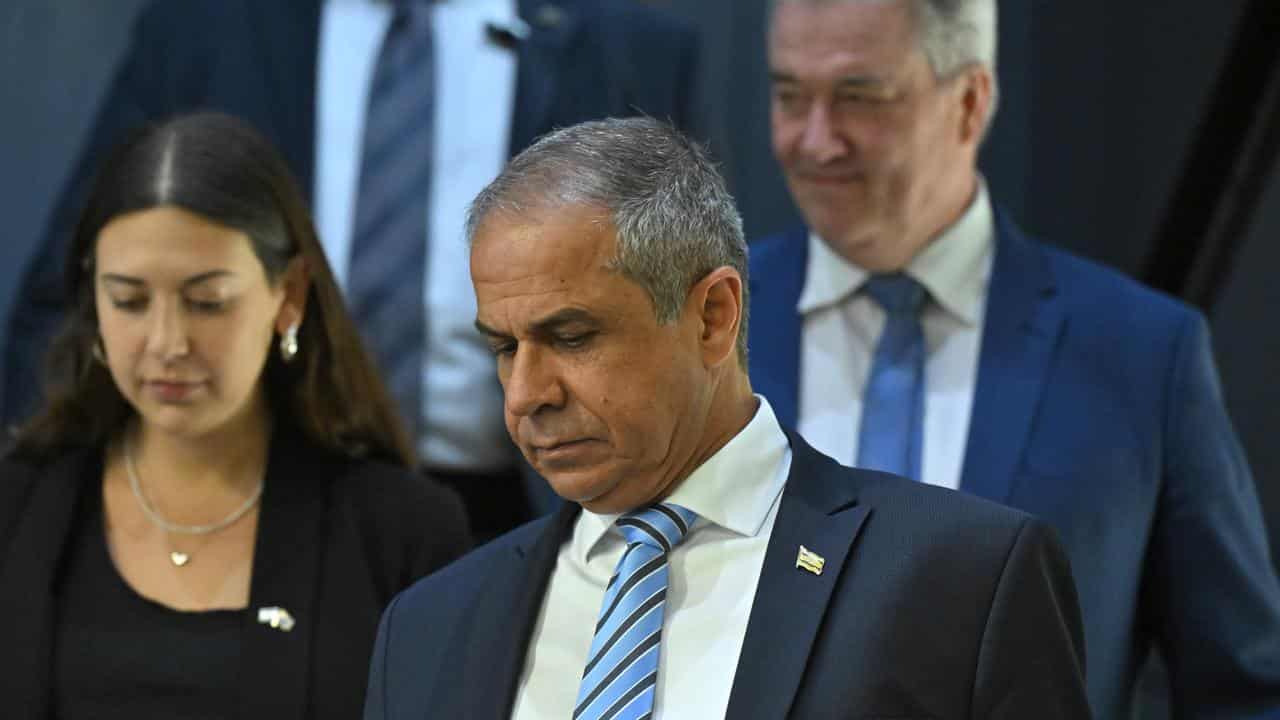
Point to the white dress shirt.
(462, 425)
(841, 327)
(713, 576)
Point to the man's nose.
(821, 139)
(532, 384)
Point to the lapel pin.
(277, 617)
(810, 560)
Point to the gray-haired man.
(911, 327)
(708, 564)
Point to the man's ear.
(717, 300)
(976, 94)
(297, 285)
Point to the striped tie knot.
(897, 293)
(621, 674)
(659, 526)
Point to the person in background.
(217, 500)
(393, 115)
(706, 564)
(912, 327)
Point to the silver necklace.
(179, 558)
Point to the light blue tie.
(621, 675)
(891, 433)
(385, 278)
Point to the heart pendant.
(179, 558)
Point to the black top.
(120, 655)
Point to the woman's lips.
(170, 391)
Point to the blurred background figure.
(209, 512)
(393, 114)
(911, 327)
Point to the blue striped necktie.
(385, 279)
(621, 676)
(891, 433)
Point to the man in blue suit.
(499, 73)
(1011, 371)
(708, 564)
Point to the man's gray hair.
(953, 34)
(674, 218)
(957, 33)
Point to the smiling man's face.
(878, 153)
(604, 402)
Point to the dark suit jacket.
(931, 604)
(1097, 409)
(336, 540)
(584, 59)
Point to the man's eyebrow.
(546, 325)
(560, 318)
(860, 80)
(488, 331)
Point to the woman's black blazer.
(337, 538)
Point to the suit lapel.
(495, 653)
(288, 35)
(1023, 324)
(276, 664)
(776, 281)
(32, 562)
(820, 513)
(538, 68)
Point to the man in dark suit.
(707, 564)
(486, 78)
(1025, 376)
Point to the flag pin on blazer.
(810, 560)
(276, 617)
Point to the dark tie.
(621, 675)
(891, 433)
(389, 244)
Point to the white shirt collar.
(734, 489)
(950, 267)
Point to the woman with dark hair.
(216, 502)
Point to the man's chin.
(586, 491)
(863, 247)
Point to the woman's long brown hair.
(219, 168)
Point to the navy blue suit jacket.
(583, 60)
(931, 604)
(1097, 408)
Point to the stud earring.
(289, 343)
(98, 353)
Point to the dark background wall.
(1247, 337)
(1100, 102)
